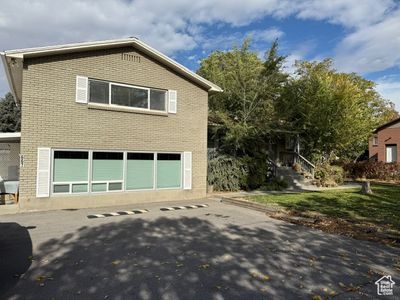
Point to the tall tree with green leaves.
(335, 112)
(10, 114)
(243, 113)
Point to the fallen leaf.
(317, 297)
(204, 266)
(116, 262)
(40, 278)
(260, 276)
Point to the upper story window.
(375, 141)
(99, 91)
(126, 95)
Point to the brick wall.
(51, 118)
(386, 136)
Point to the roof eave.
(9, 78)
(6, 137)
(390, 123)
(53, 50)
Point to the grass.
(381, 208)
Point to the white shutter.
(187, 170)
(81, 89)
(172, 101)
(43, 172)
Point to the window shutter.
(187, 170)
(172, 101)
(81, 89)
(43, 172)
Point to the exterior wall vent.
(130, 57)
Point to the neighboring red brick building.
(384, 145)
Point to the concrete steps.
(295, 180)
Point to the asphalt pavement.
(215, 252)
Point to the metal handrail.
(306, 160)
(274, 166)
(305, 163)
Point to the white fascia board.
(8, 75)
(27, 52)
(59, 49)
(212, 87)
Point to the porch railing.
(305, 164)
(289, 158)
(271, 168)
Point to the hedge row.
(373, 170)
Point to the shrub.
(275, 185)
(226, 173)
(329, 175)
(373, 170)
(257, 172)
(297, 168)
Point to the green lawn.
(381, 208)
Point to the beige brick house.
(106, 123)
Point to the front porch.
(284, 151)
(9, 167)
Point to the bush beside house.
(228, 173)
(329, 175)
(373, 170)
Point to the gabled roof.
(388, 124)
(12, 60)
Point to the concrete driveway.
(218, 252)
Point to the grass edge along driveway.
(380, 211)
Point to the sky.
(361, 36)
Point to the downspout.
(9, 77)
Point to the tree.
(10, 115)
(244, 112)
(335, 112)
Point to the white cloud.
(344, 12)
(225, 41)
(168, 25)
(373, 48)
(180, 25)
(298, 54)
(289, 65)
(389, 88)
(266, 35)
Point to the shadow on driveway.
(15, 254)
(190, 258)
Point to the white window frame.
(375, 141)
(154, 171)
(110, 84)
(70, 183)
(107, 182)
(181, 179)
(125, 161)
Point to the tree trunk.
(366, 188)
